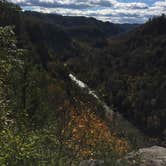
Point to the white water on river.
(84, 86)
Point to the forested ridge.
(130, 74)
(46, 119)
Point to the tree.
(10, 65)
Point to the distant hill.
(55, 35)
(73, 23)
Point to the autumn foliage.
(89, 137)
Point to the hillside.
(130, 74)
(73, 24)
(59, 35)
(47, 119)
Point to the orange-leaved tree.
(87, 136)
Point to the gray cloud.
(106, 10)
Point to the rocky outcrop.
(153, 156)
(92, 163)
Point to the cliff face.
(153, 156)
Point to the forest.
(45, 119)
(130, 74)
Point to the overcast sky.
(117, 11)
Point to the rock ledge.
(153, 156)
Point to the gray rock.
(92, 163)
(153, 156)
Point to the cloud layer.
(117, 11)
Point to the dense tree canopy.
(130, 74)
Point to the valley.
(76, 89)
